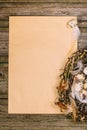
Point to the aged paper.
(38, 48)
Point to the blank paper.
(38, 49)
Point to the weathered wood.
(3, 106)
(42, 128)
(36, 121)
(3, 76)
(61, 1)
(4, 23)
(4, 42)
(31, 8)
(19, 4)
(82, 43)
(52, 9)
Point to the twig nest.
(72, 90)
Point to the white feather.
(78, 68)
(76, 33)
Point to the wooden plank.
(23, 4)
(62, 1)
(53, 9)
(41, 128)
(4, 23)
(3, 76)
(18, 4)
(83, 29)
(3, 42)
(3, 36)
(82, 24)
(3, 107)
(36, 121)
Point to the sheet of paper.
(38, 49)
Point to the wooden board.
(33, 8)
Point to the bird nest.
(72, 88)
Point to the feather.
(78, 68)
(76, 33)
(74, 108)
(61, 105)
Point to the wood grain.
(31, 8)
(61, 1)
(53, 9)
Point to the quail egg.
(78, 86)
(80, 77)
(85, 85)
(83, 95)
(85, 71)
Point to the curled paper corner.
(71, 23)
